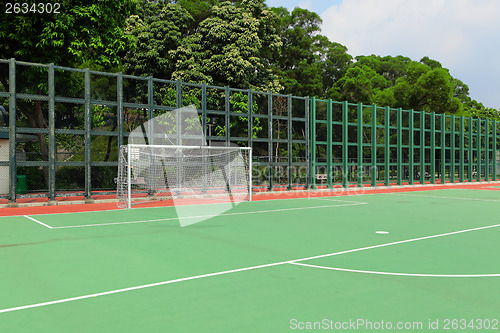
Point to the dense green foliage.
(244, 44)
(82, 33)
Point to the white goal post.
(154, 172)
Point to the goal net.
(195, 174)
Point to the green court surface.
(351, 263)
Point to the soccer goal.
(157, 172)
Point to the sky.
(463, 35)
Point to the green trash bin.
(21, 184)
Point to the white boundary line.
(334, 194)
(41, 223)
(116, 291)
(328, 199)
(397, 274)
(438, 197)
(204, 204)
(206, 216)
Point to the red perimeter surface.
(70, 208)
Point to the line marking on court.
(435, 196)
(198, 204)
(41, 223)
(396, 243)
(206, 216)
(65, 300)
(327, 199)
(382, 232)
(396, 274)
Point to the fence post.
(452, 147)
(329, 145)
(345, 144)
(399, 145)
(12, 130)
(433, 148)
(178, 116)
(151, 115)
(471, 149)
(462, 143)
(478, 129)
(422, 147)
(250, 120)
(227, 109)
(119, 100)
(151, 132)
(374, 146)
(204, 111)
(387, 150)
(411, 157)
(359, 167)
(313, 143)
(308, 145)
(443, 148)
(487, 150)
(52, 135)
(88, 128)
(494, 139)
(270, 137)
(178, 94)
(290, 147)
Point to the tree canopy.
(81, 33)
(240, 43)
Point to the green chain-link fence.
(366, 144)
(65, 126)
(61, 129)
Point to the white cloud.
(461, 34)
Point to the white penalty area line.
(41, 223)
(396, 274)
(295, 261)
(207, 216)
(337, 200)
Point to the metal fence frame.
(339, 143)
(266, 163)
(417, 146)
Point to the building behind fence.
(61, 129)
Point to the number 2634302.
(36, 8)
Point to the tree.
(82, 33)
(389, 67)
(430, 62)
(360, 84)
(401, 82)
(198, 9)
(231, 47)
(308, 63)
(428, 89)
(334, 63)
(159, 29)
